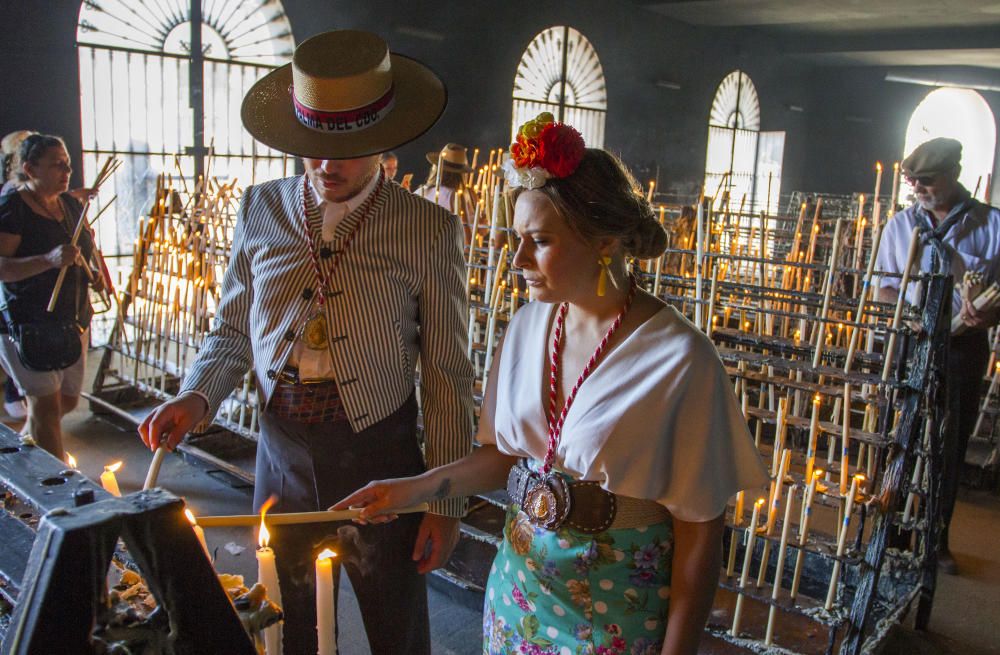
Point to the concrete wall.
(475, 46)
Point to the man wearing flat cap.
(962, 235)
(339, 284)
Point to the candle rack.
(824, 371)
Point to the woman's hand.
(63, 255)
(377, 499)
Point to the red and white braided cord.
(322, 281)
(556, 423)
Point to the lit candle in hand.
(267, 575)
(326, 604)
(108, 480)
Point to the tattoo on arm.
(443, 489)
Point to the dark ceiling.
(858, 32)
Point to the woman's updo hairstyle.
(32, 149)
(602, 199)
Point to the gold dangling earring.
(602, 280)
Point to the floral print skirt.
(570, 593)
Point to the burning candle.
(108, 480)
(70, 461)
(198, 531)
(267, 575)
(326, 604)
(807, 502)
(813, 435)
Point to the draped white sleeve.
(657, 419)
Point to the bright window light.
(960, 114)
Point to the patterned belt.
(306, 402)
(552, 501)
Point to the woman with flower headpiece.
(609, 416)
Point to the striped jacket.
(397, 295)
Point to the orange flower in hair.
(525, 152)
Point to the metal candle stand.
(56, 578)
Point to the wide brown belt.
(552, 501)
(306, 402)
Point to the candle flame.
(878, 166)
(326, 554)
(860, 477)
(816, 399)
(263, 535)
(818, 473)
(760, 501)
(190, 516)
(111, 468)
(70, 461)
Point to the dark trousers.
(310, 467)
(968, 357)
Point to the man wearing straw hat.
(959, 235)
(339, 282)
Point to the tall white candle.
(267, 575)
(841, 544)
(326, 604)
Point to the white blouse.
(656, 419)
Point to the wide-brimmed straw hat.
(453, 158)
(343, 96)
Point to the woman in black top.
(36, 227)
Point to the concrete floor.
(966, 617)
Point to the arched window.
(964, 115)
(561, 73)
(742, 163)
(146, 99)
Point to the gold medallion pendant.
(547, 502)
(314, 332)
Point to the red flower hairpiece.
(543, 149)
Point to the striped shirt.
(397, 295)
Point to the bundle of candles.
(974, 291)
(169, 299)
